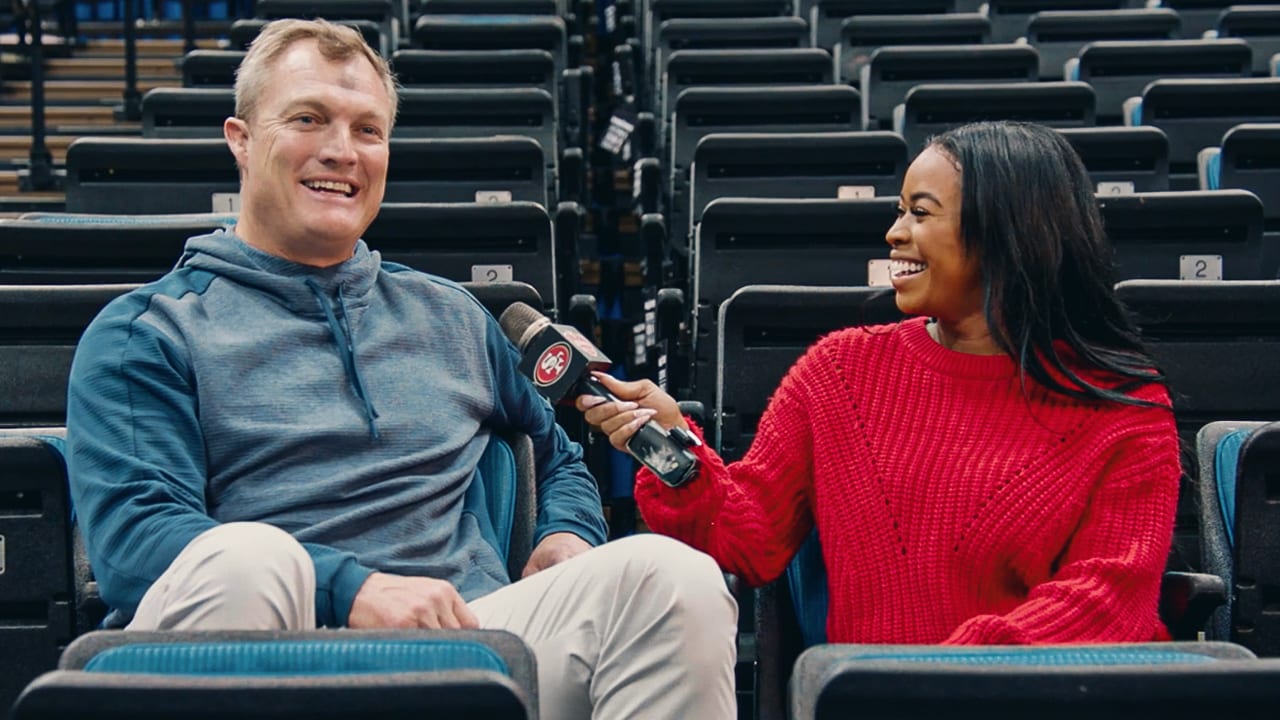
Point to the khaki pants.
(641, 627)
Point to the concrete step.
(94, 91)
(110, 68)
(17, 148)
(146, 47)
(19, 117)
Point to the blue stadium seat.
(308, 674)
(1247, 158)
(1239, 461)
(36, 584)
(1102, 682)
(1257, 25)
(1009, 18)
(1119, 70)
(1059, 35)
(1196, 113)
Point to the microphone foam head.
(520, 323)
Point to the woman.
(1001, 469)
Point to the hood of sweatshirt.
(323, 293)
(286, 282)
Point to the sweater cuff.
(333, 608)
(689, 496)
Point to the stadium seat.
(861, 35)
(441, 113)
(826, 17)
(1239, 461)
(306, 674)
(1201, 16)
(1218, 454)
(1215, 342)
(475, 242)
(1009, 18)
(1192, 236)
(932, 109)
(703, 111)
(210, 68)
(164, 176)
(1248, 158)
(498, 169)
(1257, 544)
(892, 71)
(795, 165)
(186, 112)
(477, 69)
(1119, 70)
(753, 241)
(687, 69)
(1196, 113)
(40, 326)
(245, 30)
(1059, 35)
(1259, 26)
(494, 32)
(723, 34)
(36, 614)
(1102, 682)
(151, 176)
(762, 330)
(655, 12)
(70, 249)
(1122, 160)
(385, 14)
(489, 7)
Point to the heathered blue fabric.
(220, 393)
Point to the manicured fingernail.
(590, 401)
(625, 406)
(645, 413)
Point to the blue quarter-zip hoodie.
(347, 406)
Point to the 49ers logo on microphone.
(551, 364)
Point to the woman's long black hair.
(1028, 210)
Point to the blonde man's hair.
(337, 43)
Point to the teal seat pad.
(297, 657)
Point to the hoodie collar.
(288, 283)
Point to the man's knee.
(251, 559)
(693, 580)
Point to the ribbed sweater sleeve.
(1106, 588)
(752, 515)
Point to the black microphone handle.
(651, 445)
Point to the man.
(280, 432)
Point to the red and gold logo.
(551, 364)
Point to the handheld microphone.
(559, 361)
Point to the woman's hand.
(638, 403)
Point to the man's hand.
(394, 601)
(554, 548)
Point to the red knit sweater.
(950, 507)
